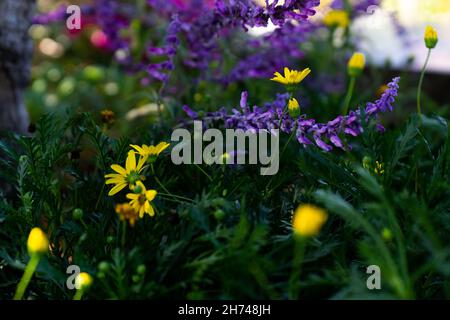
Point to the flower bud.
(77, 214)
(103, 266)
(386, 234)
(219, 214)
(294, 108)
(37, 242)
(308, 220)
(356, 64)
(141, 269)
(83, 281)
(431, 37)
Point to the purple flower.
(324, 135)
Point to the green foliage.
(230, 241)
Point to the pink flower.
(99, 39)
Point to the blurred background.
(73, 69)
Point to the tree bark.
(16, 49)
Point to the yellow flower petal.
(132, 196)
(131, 162)
(142, 160)
(137, 148)
(161, 147)
(150, 195)
(118, 169)
(116, 189)
(287, 73)
(114, 175)
(141, 212)
(149, 209)
(115, 181)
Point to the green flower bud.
(219, 214)
(103, 266)
(77, 214)
(141, 269)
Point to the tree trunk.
(16, 50)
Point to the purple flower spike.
(324, 135)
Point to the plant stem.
(124, 234)
(419, 88)
(348, 97)
(78, 295)
(204, 172)
(29, 270)
(297, 261)
(285, 110)
(99, 197)
(159, 103)
(165, 189)
(289, 140)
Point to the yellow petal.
(116, 189)
(162, 146)
(278, 75)
(131, 162)
(118, 169)
(113, 175)
(287, 73)
(150, 195)
(137, 148)
(132, 196)
(142, 160)
(280, 80)
(141, 212)
(115, 181)
(303, 74)
(149, 209)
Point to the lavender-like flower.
(325, 135)
(160, 70)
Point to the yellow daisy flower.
(125, 176)
(151, 152)
(291, 77)
(140, 200)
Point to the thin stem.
(348, 97)
(159, 102)
(419, 88)
(124, 234)
(164, 188)
(289, 140)
(29, 270)
(285, 110)
(99, 197)
(299, 253)
(204, 172)
(78, 295)
(83, 223)
(167, 197)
